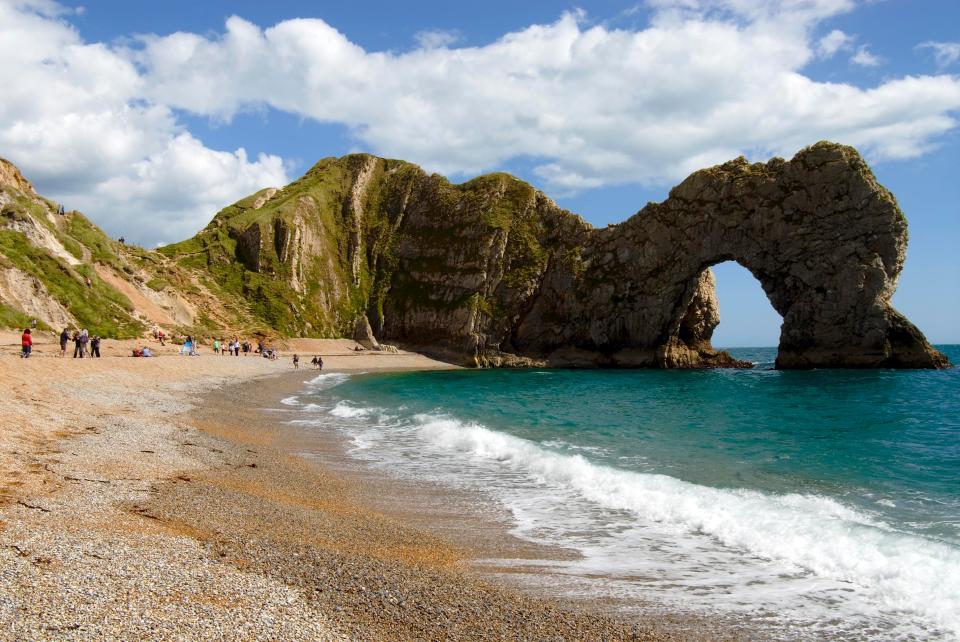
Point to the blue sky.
(604, 105)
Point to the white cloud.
(945, 53)
(864, 58)
(73, 116)
(833, 42)
(436, 38)
(705, 81)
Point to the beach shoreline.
(143, 499)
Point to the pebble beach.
(153, 499)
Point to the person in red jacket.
(26, 341)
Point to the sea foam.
(909, 582)
(327, 381)
(346, 410)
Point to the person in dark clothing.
(76, 345)
(296, 362)
(64, 339)
(95, 346)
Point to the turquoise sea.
(818, 505)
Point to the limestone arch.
(823, 238)
(827, 254)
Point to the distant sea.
(820, 505)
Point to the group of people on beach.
(233, 347)
(316, 362)
(82, 341)
(87, 345)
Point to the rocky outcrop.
(29, 295)
(363, 334)
(11, 177)
(825, 240)
(496, 273)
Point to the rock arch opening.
(747, 319)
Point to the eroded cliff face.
(492, 272)
(60, 270)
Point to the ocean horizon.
(800, 504)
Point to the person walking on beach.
(160, 337)
(319, 362)
(26, 344)
(296, 362)
(84, 340)
(95, 346)
(216, 346)
(76, 345)
(64, 338)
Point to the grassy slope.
(267, 290)
(98, 307)
(264, 299)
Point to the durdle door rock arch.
(823, 238)
(493, 272)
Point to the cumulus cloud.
(945, 53)
(864, 58)
(833, 42)
(704, 81)
(74, 117)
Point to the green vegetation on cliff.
(97, 307)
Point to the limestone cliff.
(493, 272)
